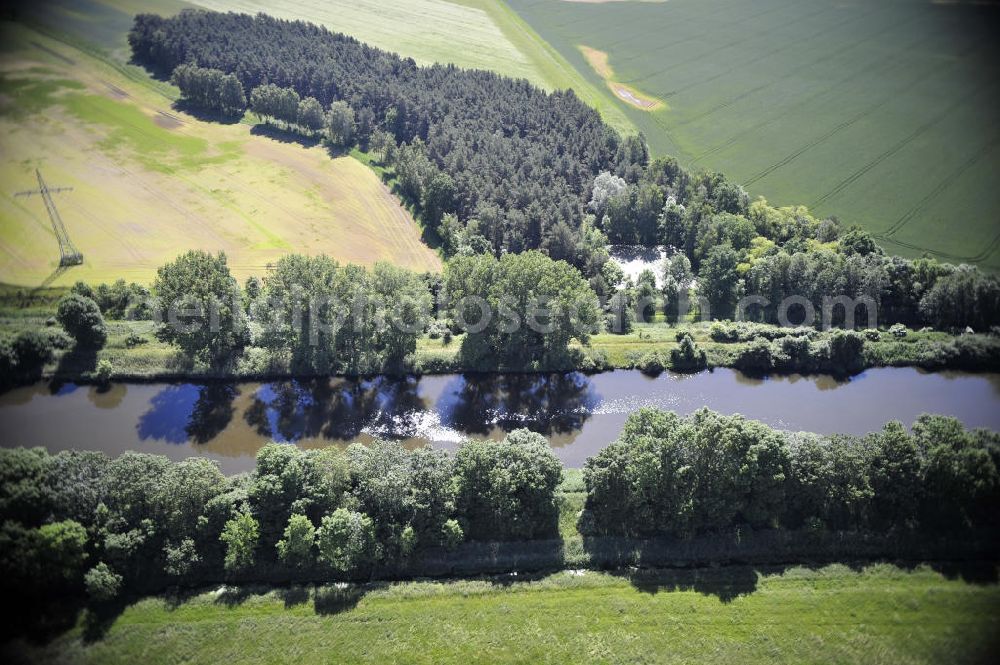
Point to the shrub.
(452, 534)
(104, 371)
(30, 350)
(745, 331)
(594, 360)
(347, 540)
(240, 536)
(687, 357)
(437, 329)
(255, 361)
(118, 300)
(506, 489)
(103, 584)
(296, 548)
(723, 332)
(898, 330)
(846, 352)
(654, 362)
(755, 358)
(81, 318)
(134, 339)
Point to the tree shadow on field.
(41, 623)
(205, 115)
(233, 596)
(99, 617)
(982, 573)
(76, 361)
(336, 151)
(284, 135)
(727, 583)
(296, 594)
(337, 598)
(327, 599)
(177, 596)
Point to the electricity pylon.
(69, 255)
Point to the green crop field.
(881, 113)
(832, 615)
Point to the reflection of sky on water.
(169, 413)
(60, 389)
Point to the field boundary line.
(747, 63)
(922, 129)
(922, 77)
(832, 88)
(736, 24)
(941, 186)
(807, 65)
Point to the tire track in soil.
(915, 134)
(920, 78)
(907, 217)
(801, 67)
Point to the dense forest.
(79, 521)
(680, 476)
(495, 166)
(518, 159)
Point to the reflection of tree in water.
(212, 412)
(108, 396)
(187, 412)
(337, 410)
(549, 404)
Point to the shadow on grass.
(77, 361)
(284, 135)
(725, 583)
(205, 115)
(728, 583)
(232, 596)
(980, 573)
(339, 598)
(296, 594)
(98, 619)
(39, 624)
(727, 564)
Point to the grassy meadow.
(876, 112)
(150, 181)
(879, 614)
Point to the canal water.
(579, 414)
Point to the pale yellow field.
(150, 182)
(598, 60)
